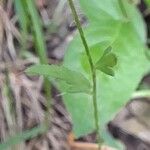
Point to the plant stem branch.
(141, 93)
(121, 4)
(93, 70)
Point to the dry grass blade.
(88, 146)
(1, 29)
(7, 108)
(16, 90)
(10, 31)
(27, 96)
(33, 96)
(18, 138)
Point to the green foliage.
(37, 31)
(147, 2)
(28, 15)
(71, 80)
(107, 24)
(21, 10)
(112, 25)
(106, 62)
(29, 20)
(23, 136)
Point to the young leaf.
(74, 81)
(96, 52)
(107, 51)
(107, 62)
(108, 71)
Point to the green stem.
(93, 70)
(141, 93)
(121, 4)
(41, 50)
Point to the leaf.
(106, 23)
(107, 51)
(107, 70)
(71, 80)
(108, 58)
(107, 62)
(147, 2)
(97, 51)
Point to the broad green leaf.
(102, 12)
(71, 80)
(107, 24)
(106, 62)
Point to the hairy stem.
(93, 70)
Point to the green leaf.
(71, 80)
(106, 23)
(107, 70)
(107, 51)
(108, 59)
(106, 62)
(147, 2)
(97, 51)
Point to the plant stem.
(93, 70)
(41, 50)
(121, 4)
(141, 93)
